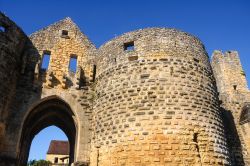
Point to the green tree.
(31, 162)
(39, 163)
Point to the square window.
(129, 46)
(73, 63)
(65, 32)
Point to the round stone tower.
(156, 102)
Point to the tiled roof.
(58, 147)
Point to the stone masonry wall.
(35, 84)
(58, 80)
(61, 48)
(230, 76)
(234, 95)
(12, 42)
(12, 45)
(147, 97)
(156, 104)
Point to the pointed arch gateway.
(50, 111)
(245, 114)
(244, 121)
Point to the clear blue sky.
(220, 24)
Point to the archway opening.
(44, 146)
(53, 111)
(245, 114)
(245, 125)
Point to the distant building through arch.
(58, 153)
(49, 112)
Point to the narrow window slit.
(94, 73)
(45, 60)
(73, 63)
(195, 139)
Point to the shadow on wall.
(233, 140)
(18, 58)
(19, 70)
(15, 63)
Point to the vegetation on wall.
(39, 163)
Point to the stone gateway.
(150, 97)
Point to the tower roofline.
(66, 19)
(67, 23)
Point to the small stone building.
(149, 97)
(58, 153)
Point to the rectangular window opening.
(73, 63)
(195, 139)
(45, 60)
(129, 46)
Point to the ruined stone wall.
(12, 45)
(147, 97)
(35, 84)
(61, 48)
(12, 41)
(234, 95)
(156, 104)
(58, 80)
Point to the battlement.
(228, 54)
